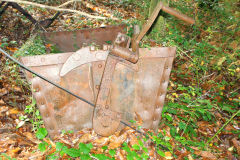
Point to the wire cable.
(44, 78)
(58, 86)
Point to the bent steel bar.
(178, 15)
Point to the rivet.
(100, 66)
(92, 48)
(97, 86)
(106, 106)
(154, 118)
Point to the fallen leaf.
(168, 155)
(68, 20)
(32, 137)
(48, 45)
(208, 155)
(236, 144)
(116, 142)
(133, 140)
(14, 111)
(85, 138)
(119, 154)
(190, 157)
(103, 141)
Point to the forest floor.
(200, 120)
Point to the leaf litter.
(22, 143)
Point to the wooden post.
(160, 23)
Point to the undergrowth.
(204, 79)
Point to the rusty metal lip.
(85, 29)
(46, 59)
(60, 58)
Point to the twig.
(207, 76)
(68, 2)
(233, 91)
(200, 97)
(223, 126)
(59, 9)
(186, 53)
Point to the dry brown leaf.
(2, 102)
(230, 156)
(183, 153)
(103, 141)
(138, 119)
(229, 128)
(168, 155)
(116, 142)
(190, 157)
(133, 139)
(208, 155)
(14, 111)
(236, 144)
(119, 155)
(85, 138)
(151, 152)
(31, 137)
(17, 89)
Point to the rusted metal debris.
(121, 82)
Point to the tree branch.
(58, 9)
(68, 2)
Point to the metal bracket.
(106, 118)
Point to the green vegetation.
(34, 46)
(203, 88)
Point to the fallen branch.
(58, 9)
(68, 2)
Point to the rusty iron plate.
(140, 91)
(67, 41)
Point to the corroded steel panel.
(140, 89)
(72, 41)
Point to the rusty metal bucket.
(132, 89)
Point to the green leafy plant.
(33, 116)
(5, 156)
(34, 46)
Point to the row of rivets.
(41, 102)
(161, 96)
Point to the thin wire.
(56, 85)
